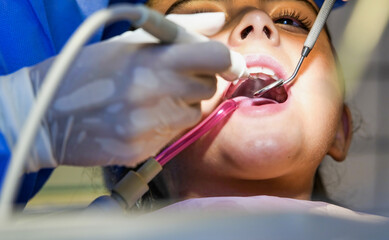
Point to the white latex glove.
(119, 104)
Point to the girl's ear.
(338, 150)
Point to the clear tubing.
(224, 110)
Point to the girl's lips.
(259, 60)
(250, 102)
(258, 107)
(242, 92)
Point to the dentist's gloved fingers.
(201, 58)
(161, 120)
(170, 119)
(145, 90)
(207, 24)
(126, 140)
(139, 36)
(204, 88)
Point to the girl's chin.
(262, 157)
(254, 154)
(256, 140)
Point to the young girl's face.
(269, 145)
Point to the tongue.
(249, 87)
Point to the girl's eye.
(288, 21)
(292, 21)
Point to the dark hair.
(151, 200)
(319, 192)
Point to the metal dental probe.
(308, 45)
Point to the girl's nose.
(254, 26)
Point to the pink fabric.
(267, 204)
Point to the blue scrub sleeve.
(5, 155)
(30, 32)
(30, 184)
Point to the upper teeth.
(263, 70)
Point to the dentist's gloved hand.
(119, 104)
(207, 24)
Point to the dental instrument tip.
(267, 88)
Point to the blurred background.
(360, 33)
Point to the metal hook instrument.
(308, 45)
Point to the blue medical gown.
(34, 30)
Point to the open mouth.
(246, 87)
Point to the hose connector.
(135, 184)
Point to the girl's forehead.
(168, 6)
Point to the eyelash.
(201, 10)
(304, 22)
(290, 14)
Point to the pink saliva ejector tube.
(137, 181)
(224, 110)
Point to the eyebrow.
(309, 4)
(180, 2)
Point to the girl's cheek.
(207, 106)
(221, 37)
